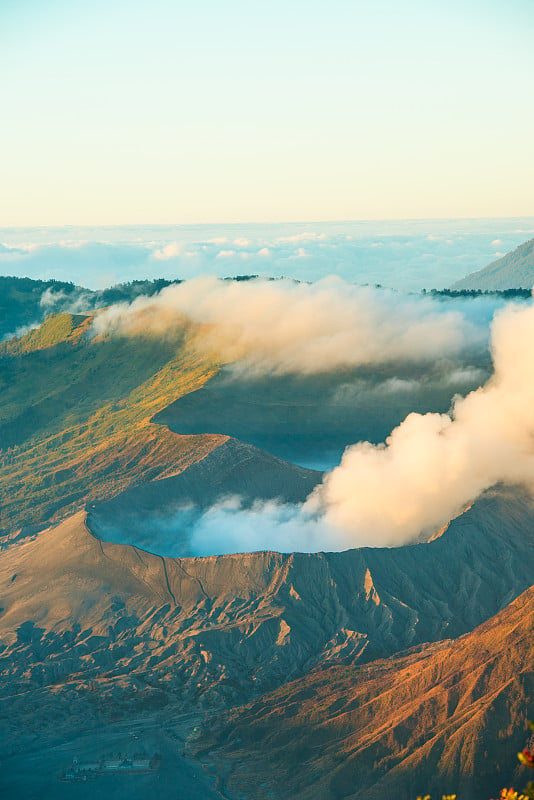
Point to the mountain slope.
(20, 302)
(515, 270)
(221, 629)
(157, 515)
(25, 302)
(75, 420)
(448, 719)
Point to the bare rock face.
(447, 719)
(220, 630)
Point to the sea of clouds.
(407, 255)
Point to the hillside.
(515, 270)
(155, 515)
(20, 302)
(447, 719)
(210, 632)
(75, 418)
(26, 303)
(100, 627)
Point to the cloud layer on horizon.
(407, 256)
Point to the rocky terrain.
(89, 627)
(442, 719)
(101, 628)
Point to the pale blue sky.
(174, 112)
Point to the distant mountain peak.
(515, 270)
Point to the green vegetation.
(75, 416)
(506, 294)
(20, 301)
(55, 330)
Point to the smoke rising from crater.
(433, 465)
(282, 326)
(430, 468)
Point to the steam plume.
(432, 466)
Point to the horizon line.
(345, 221)
(263, 222)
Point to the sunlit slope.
(75, 417)
(263, 616)
(448, 719)
(206, 632)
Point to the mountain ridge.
(260, 617)
(515, 270)
(447, 719)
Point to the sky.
(177, 112)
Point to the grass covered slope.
(25, 302)
(20, 301)
(75, 417)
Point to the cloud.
(75, 302)
(433, 465)
(403, 255)
(229, 527)
(51, 299)
(170, 250)
(429, 470)
(306, 236)
(464, 375)
(283, 326)
(22, 330)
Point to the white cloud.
(433, 465)
(303, 237)
(284, 326)
(170, 250)
(391, 254)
